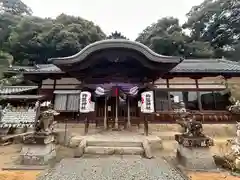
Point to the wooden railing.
(158, 117)
(203, 116)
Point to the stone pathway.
(113, 168)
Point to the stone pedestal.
(237, 163)
(195, 157)
(38, 151)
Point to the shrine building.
(116, 71)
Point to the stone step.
(114, 143)
(167, 135)
(114, 150)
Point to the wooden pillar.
(39, 87)
(128, 113)
(105, 113)
(86, 122)
(169, 97)
(116, 117)
(54, 87)
(145, 124)
(198, 95)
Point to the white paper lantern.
(147, 105)
(85, 102)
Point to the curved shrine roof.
(115, 43)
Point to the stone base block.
(195, 158)
(75, 141)
(37, 154)
(147, 149)
(155, 143)
(79, 151)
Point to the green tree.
(23, 43)
(217, 22)
(34, 40)
(168, 38)
(12, 80)
(15, 7)
(7, 21)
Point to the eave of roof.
(16, 89)
(187, 66)
(40, 68)
(115, 43)
(207, 66)
(18, 97)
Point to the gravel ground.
(113, 168)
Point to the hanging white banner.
(147, 99)
(85, 102)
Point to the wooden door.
(122, 111)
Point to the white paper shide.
(147, 105)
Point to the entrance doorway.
(121, 109)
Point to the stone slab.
(114, 150)
(99, 150)
(115, 143)
(195, 158)
(123, 140)
(129, 150)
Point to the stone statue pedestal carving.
(195, 157)
(191, 141)
(38, 149)
(194, 152)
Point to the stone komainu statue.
(46, 120)
(235, 108)
(190, 126)
(195, 128)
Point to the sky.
(129, 17)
